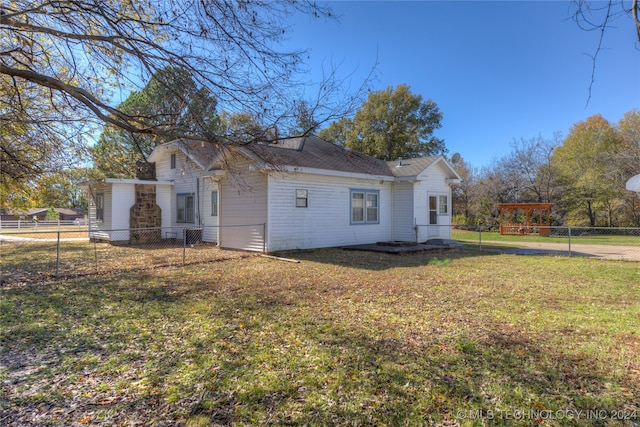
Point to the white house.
(297, 193)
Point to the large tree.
(66, 64)
(30, 143)
(62, 189)
(584, 164)
(172, 101)
(529, 164)
(463, 194)
(628, 162)
(392, 123)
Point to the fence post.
(569, 233)
(264, 238)
(480, 234)
(184, 245)
(58, 256)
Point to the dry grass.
(342, 338)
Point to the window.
(433, 211)
(357, 207)
(443, 206)
(100, 207)
(214, 203)
(365, 207)
(173, 161)
(185, 208)
(302, 198)
(372, 207)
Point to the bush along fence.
(28, 254)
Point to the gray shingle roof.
(310, 152)
(313, 152)
(410, 167)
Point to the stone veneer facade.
(145, 213)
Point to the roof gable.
(203, 154)
(412, 168)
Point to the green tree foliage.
(30, 145)
(62, 189)
(305, 119)
(628, 161)
(244, 128)
(172, 101)
(391, 124)
(52, 215)
(584, 165)
(583, 175)
(629, 131)
(337, 132)
(463, 193)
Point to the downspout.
(198, 201)
(391, 208)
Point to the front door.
(210, 212)
(432, 229)
(433, 210)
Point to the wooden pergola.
(525, 218)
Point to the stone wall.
(145, 213)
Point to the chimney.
(145, 171)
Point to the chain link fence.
(29, 254)
(615, 243)
(69, 251)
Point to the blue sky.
(499, 71)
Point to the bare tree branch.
(66, 66)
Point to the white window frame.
(302, 198)
(188, 216)
(99, 202)
(443, 204)
(367, 207)
(214, 203)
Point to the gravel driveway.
(624, 253)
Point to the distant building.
(40, 214)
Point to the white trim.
(327, 172)
(132, 181)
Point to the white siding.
(210, 223)
(163, 165)
(164, 200)
(326, 221)
(243, 209)
(431, 183)
(100, 230)
(123, 197)
(403, 220)
(187, 178)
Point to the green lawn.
(341, 338)
(474, 236)
(45, 229)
